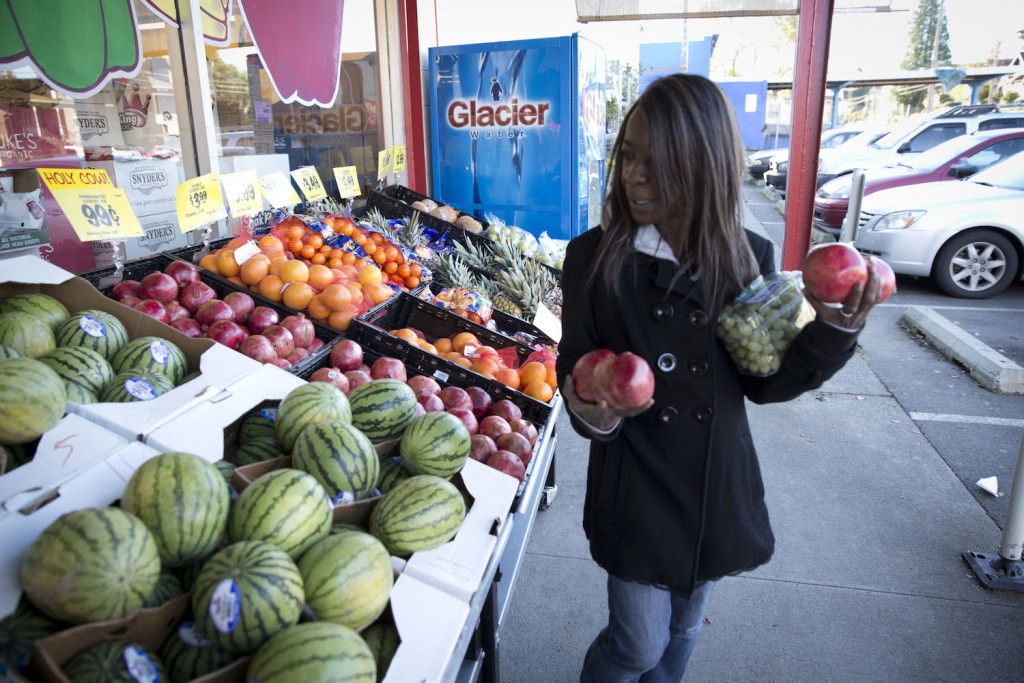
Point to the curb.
(988, 367)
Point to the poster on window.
(29, 135)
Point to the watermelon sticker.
(344, 498)
(159, 351)
(140, 666)
(225, 606)
(92, 327)
(269, 413)
(140, 388)
(191, 637)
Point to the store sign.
(309, 183)
(348, 181)
(96, 209)
(242, 195)
(199, 202)
(278, 191)
(32, 134)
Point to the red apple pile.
(622, 380)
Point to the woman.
(674, 496)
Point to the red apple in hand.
(625, 381)
(830, 271)
(886, 275)
(583, 374)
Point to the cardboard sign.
(199, 202)
(383, 162)
(95, 208)
(309, 183)
(278, 190)
(348, 181)
(548, 323)
(240, 189)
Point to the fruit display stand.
(394, 201)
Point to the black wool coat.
(675, 495)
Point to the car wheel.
(975, 265)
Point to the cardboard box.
(220, 366)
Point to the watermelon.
(77, 394)
(347, 578)
(383, 641)
(128, 387)
(342, 527)
(184, 501)
(188, 574)
(39, 305)
(311, 403)
(435, 443)
(80, 366)
(167, 588)
(114, 661)
(338, 456)
(94, 329)
(152, 355)
(19, 629)
(91, 564)
(382, 408)
(257, 450)
(32, 399)
(419, 513)
(16, 455)
(259, 424)
(245, 594)
(8, 352)
(26, 334)
(314, 652)
(188, 655)
(286, 507)
(227, 470)
(392, 470)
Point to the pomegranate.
(183, 272)
(423, 384)
(467, 417)
(282, 363)
(830, 271)
(346, 355)
(227, 332)
(187, 326)
(261, 318)
(455, 397)
(194, 295)
(281, 338)
(154, 309)
(242, 304)
(212, 311)
(583, 374)
(126, 288)
(494, 426)
(506, 409)
(481, 400)
(259, 348)
(431, 403)
(176, 311)
(131, 301)
(886, 275)
(159, 286)
(331, 376)
(514, 442)
(506, 462)
(481, 447)
(301, 328)
(385, 366)
(625, 381)
(526, 428)
(315, 345)
(297, 355)
(357, 378)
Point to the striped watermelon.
(347, 578)
(94, 329)
(188, 655)
(435, 443)
(189, 573)
(257, 450)
(39, 305)
(80, 366)
(382, 408)
(77, 394)
(184, 501)
(128, 387)
(8, 352)
(338, 456)
(26, 334)
(287, 507)
(152, 355)
(391, 472)
(306, 405)
(114, 661)
(227, 471)
(92, 564)
(314, 652)
(342, 527)
(32, 399)
(419, 513)
(383, 641)
(19, 629)
(245, 594)
(167, 588)
(259, 424)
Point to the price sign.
(96, 209)
(548, 323)
(199, 202)
(399, 162)
(308, 181)
(278, 190)
(243, 197)
(348, 181)
(383, 162)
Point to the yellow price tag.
(199, 202)
(95, 208)
(348, 181)
(308, 181)
(278, 190)
(399, 163)
(383, 162)
(243, 197)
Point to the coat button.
(701, 414)
(668, 415)
(698, 368)
(698, 318)
(663, 312)
(666, 362)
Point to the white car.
(967, 236)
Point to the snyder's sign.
(148, 180)
(92, 124)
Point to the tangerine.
(379, 258)
(539, 390)
(348, 258)
(412, 282)
(391, 252)
(226, 263)
(333, 263)
(271, 287)
(377, 237)
(370, 247)
(297, 295)
(359, 238)
(295, 232)
(415, 270)
(295, 246)
(390, 267)
(294, 271)
(531, 372)
(319, 276)
(315, 241)
(307, 251)
(404, 270)
(336, 253)
(326, 250)
(347, 228)
(318, 259)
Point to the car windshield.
(1008, 174)
(897, 134)
(931, 159)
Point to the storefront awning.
(623, 10)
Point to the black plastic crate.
(394, 202)
(508, 325)
(188, 253)
(103, 280)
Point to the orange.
(370, 275)
(539, 390)
(390, 267)
(307, 251)
(415, 270)
(336, 253)
(315, 241)
(357, 291)
(426, 346)
(234, 279)
(359, 238)
(254, 270)
(226, 263)
(391, 253)
(295, 246)
(294, 271)
(317, 309)
(333, 263)
(412, 282)
(326, 250)
(463, 361)
(379, 258)
(297, 295)
(318, 259)
(348, 258)
(379, 293)
(271, 287)
(508, 377)
(209, 262)
(340, 320)
(404, 270)
(485, 366)
(276, 262)
(319, 276)
(443, 344)
(370, 247)
(347, 228)
(296, 232)
(531, 372)
(552, 378)
(377, 237)
(462, 339)
(406, 334)
(235, 242)
(270, 244)
(335, 297)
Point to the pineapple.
(506, 304)
(478, 257)
(452, 271)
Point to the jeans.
(650, 635)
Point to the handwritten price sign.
(348, 181)
(399, 159)
(96, 209)
(243, 197)
(199, 202)
(278, 190)
(384, 162)
(308, 181)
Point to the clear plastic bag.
(760, 324)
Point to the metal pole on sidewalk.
(1005, 570)
(848, 232)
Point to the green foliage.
(922, 52)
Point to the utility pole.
(935, 49)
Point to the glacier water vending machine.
(518, 132)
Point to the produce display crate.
(370, 330)
(394, 202)
(508, 325)
(102, 279)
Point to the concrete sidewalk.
(867, 582)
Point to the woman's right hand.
(600, 415)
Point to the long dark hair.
(697, 158)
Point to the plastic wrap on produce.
(465, 302)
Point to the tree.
(611, 113)
(630, 85)
(929, 47)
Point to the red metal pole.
(814, 27)
(412, 93)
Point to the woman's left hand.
(854, 311)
